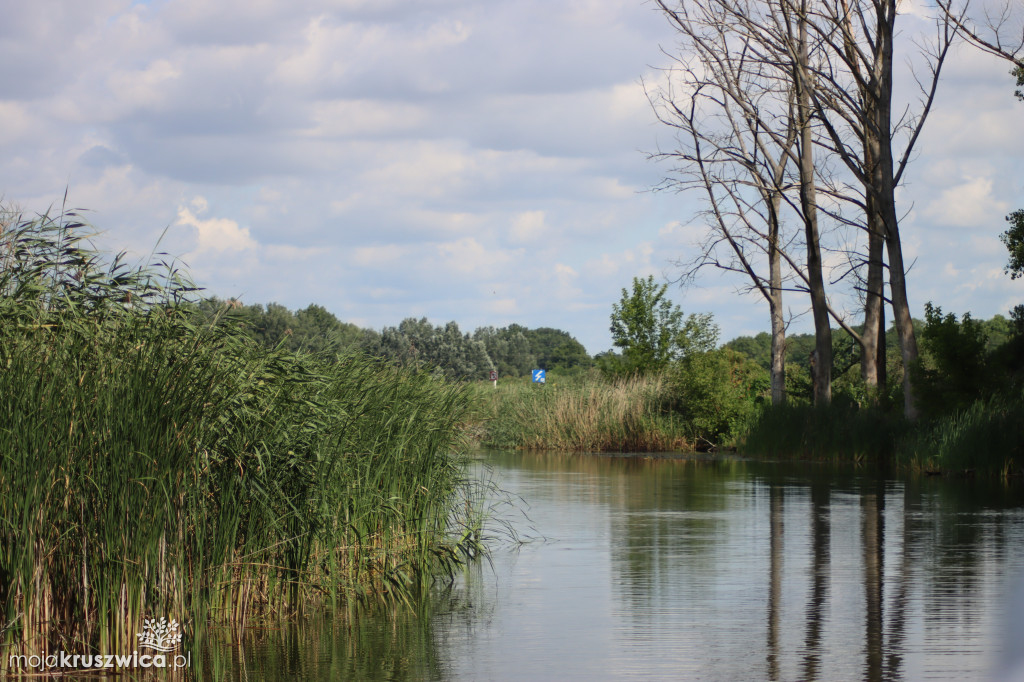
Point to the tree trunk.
(816, 283)
(883, 381)
(884, 185)
(778, 369)
(902, 319)
(873, 338)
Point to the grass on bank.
(151, 465)
(985, 437)
(686, 411)
(583, 414)
(988, 435)
(802, 431)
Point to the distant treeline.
(513, 351)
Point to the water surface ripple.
(711, 569)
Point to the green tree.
(444, 349)
(555, 349)
(952, 370)
(318, 330)
(508, 348)
(1013, 238)
(651, 330)
(758, 348)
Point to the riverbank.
(590, 413)
(986, 437)
(585, 413)
(156, 465)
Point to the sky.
(483, 162)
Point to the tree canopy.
(1013, 238)
(651, 330)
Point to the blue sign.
(538, 376)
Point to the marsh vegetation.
(154, 463)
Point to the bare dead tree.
(761, 83)
(999, 30)
(854, 101)
(798, 46)
(837, 57)
(736, 134)
(852, 45)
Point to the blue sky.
(456, 159)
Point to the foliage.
(952, 370)
(508, 348)
(646, 326)
(845, 354)
(513, 350)
(154, 463)
(444, 350)
(555, 349)
(1013, 238)
(612, 364)
(805, 431)
(758, 348)
(651, 330)
(1019, 73)
(998, 331)
(313, 329)
(716, 391)
(987, 435)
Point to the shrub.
(716, 391)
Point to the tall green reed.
(795, 431)
(986, 436)
(152, 464)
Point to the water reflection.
(698, 568)
(775, 581)
(858, 576)
(381, 644)
(820, 557)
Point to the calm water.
(708, 569)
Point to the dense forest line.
(513, 350)
(962, 359)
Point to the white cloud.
(214, 234)
(15, 122)
(355, 117)
(968, 204)
(151, 87)
(468, 255)
(468, 161)
(528, 227)
(380, 256)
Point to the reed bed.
(987, 436)
(155, 465)
(807, 432)
(589, 414)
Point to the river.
(697, 568)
